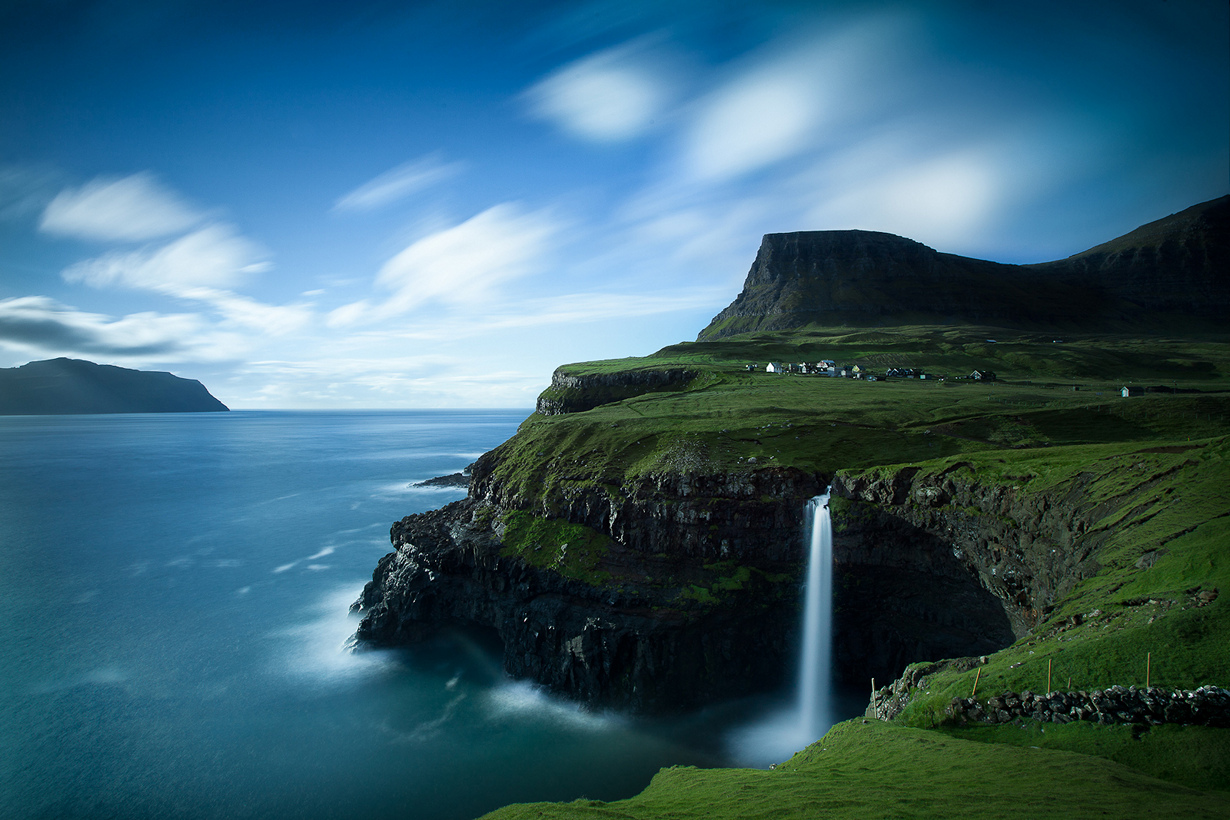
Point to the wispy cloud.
(796, 95)
(270, 320)
(611, 96)
(43, 325)
(214, 256)
(460, 265)
(25, 189)
(398, 183)
(943, 198)
(123, 209)
(201, 266)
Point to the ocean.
(174, 594)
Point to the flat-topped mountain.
(1172, 273)
(68, 386)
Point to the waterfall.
(815, 714)
(775, 737)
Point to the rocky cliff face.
(1165, 274)
(697, 600)
(940, 565)
(569, 393)
(696, 595)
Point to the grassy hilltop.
(1054, 419)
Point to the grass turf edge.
(875, 769)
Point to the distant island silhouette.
(72, 386)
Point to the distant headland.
(73, 386)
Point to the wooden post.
(977, 675)
(1148, 667)
(1048, 676)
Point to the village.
(829, 368)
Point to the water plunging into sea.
(815, 675)
(819, 700)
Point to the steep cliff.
(1165, 275)
(1095, 559)
(673, 591)
(575, 393)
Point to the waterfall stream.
(803, 720)
(815, 706)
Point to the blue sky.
(380, 204)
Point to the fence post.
(977, 675)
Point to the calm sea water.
(173, 598)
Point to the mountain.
(1168, 274)
(67, 386)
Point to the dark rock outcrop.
(635, 643)
(942, 566)
(69, 386)
(1169, 274)
(569, 393)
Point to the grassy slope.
(1162, 459)
(873, 770)
(727, 416)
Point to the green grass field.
(873, 770)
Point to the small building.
(1125, 392)
(751, 368)
(775, 367)
(983, 375)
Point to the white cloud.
(273, 320)
(463, 264)
(756, 121)
(611, 96)
(398, 183)
(213, 256)
(566, 309)
(945, 199)
(199, 267)
(133, 208)
(796, 96)
(43, 325)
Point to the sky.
(434, 204)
